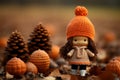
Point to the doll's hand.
(90, 53)
(70, 53)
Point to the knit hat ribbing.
(80, 25)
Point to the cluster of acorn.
(30, 58)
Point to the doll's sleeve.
(90, 53)
(70, 53)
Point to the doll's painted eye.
(75, 39)
(85, 40)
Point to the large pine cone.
(39, 39)
(16, 47)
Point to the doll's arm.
(90, 53)
(70, 53)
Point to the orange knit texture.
(41, 59)
(80, 63)
(16, 66)
(80, 25)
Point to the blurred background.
(24, 15)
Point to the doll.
(80, 47)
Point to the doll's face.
(80, 41)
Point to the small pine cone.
(16, 47)
(39, 39)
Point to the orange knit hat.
(80, 25)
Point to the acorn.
(41, 59)
(114, 66)
(31, 68)
(16, 66)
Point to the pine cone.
(39, 39)
(16, 47)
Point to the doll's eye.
(75, 40)
(85, 40)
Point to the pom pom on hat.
(81, 11)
